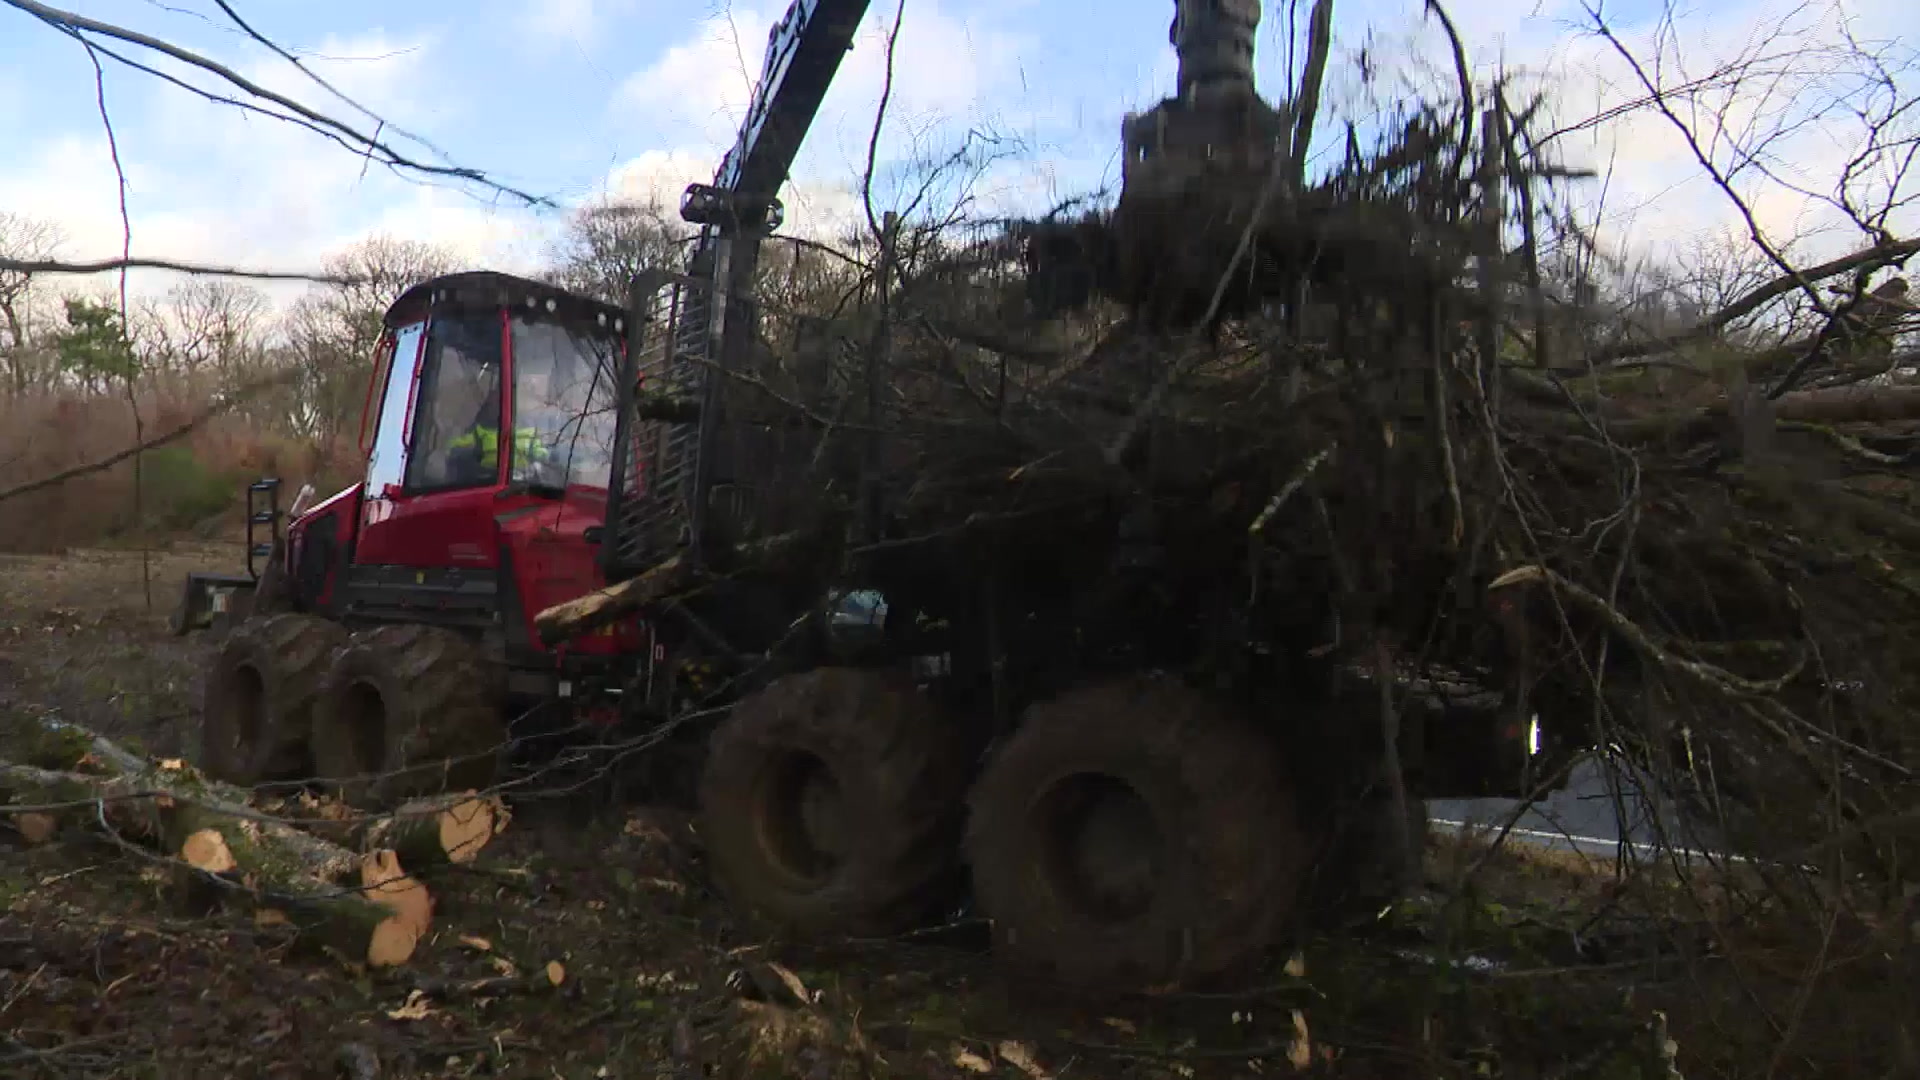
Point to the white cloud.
(561, 19)
(948, 72)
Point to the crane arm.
(804, 50)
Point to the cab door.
(387, 458)
(437, 465)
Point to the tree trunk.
(363, 905)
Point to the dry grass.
(190, 486)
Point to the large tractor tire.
(1132, 834)
(259, 696)
(832, 802)
(407, 711)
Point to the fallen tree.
(363, 904)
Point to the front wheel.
(1132, 834)
(259, 696)
(831, 803)
(408, 711)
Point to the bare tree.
(607, 242)
(27, 239)
(210, 326)
(330, 333)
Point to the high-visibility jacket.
(527, 444)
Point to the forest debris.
(425, 833)
(208, 826)
(1020, 1056)
(358, 1061)
(476, 942)
(1300, 1047)
(801, 995)
(556, 972)
(34, 827)
(416, 1007)
(970, 1061)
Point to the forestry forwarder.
(1118, 826)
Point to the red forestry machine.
(894, 743)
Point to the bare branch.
(107, 266)
(1890, 253)
(75, 25)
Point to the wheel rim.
(1100, 847)
(801, 818)
(366, 724)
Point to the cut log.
(426, 833)
(431, 832)
(387, 883)
(676, 575)
(603, 606)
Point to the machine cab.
(488, 389)
(488, 436)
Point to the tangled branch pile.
(1399, 431)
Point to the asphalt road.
(1601, 805)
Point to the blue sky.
(573, 98)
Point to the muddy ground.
(1539, 965)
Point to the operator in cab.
(479, 448)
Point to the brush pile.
(1399, 428)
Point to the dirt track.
(103, 972)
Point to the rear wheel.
(831, 803)
(1134, 833)
(407, 711)
(259, 696)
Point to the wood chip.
(1300, 1050)
(971, 1061)
(1020, 1056)
(792, 983)
(416, 1008)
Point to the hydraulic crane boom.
(804, 50)
(688, 333)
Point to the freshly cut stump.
(258, 701)
(832, 802)
(1134, 834)
(405, 712)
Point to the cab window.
(456, 419)
(564, 399)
